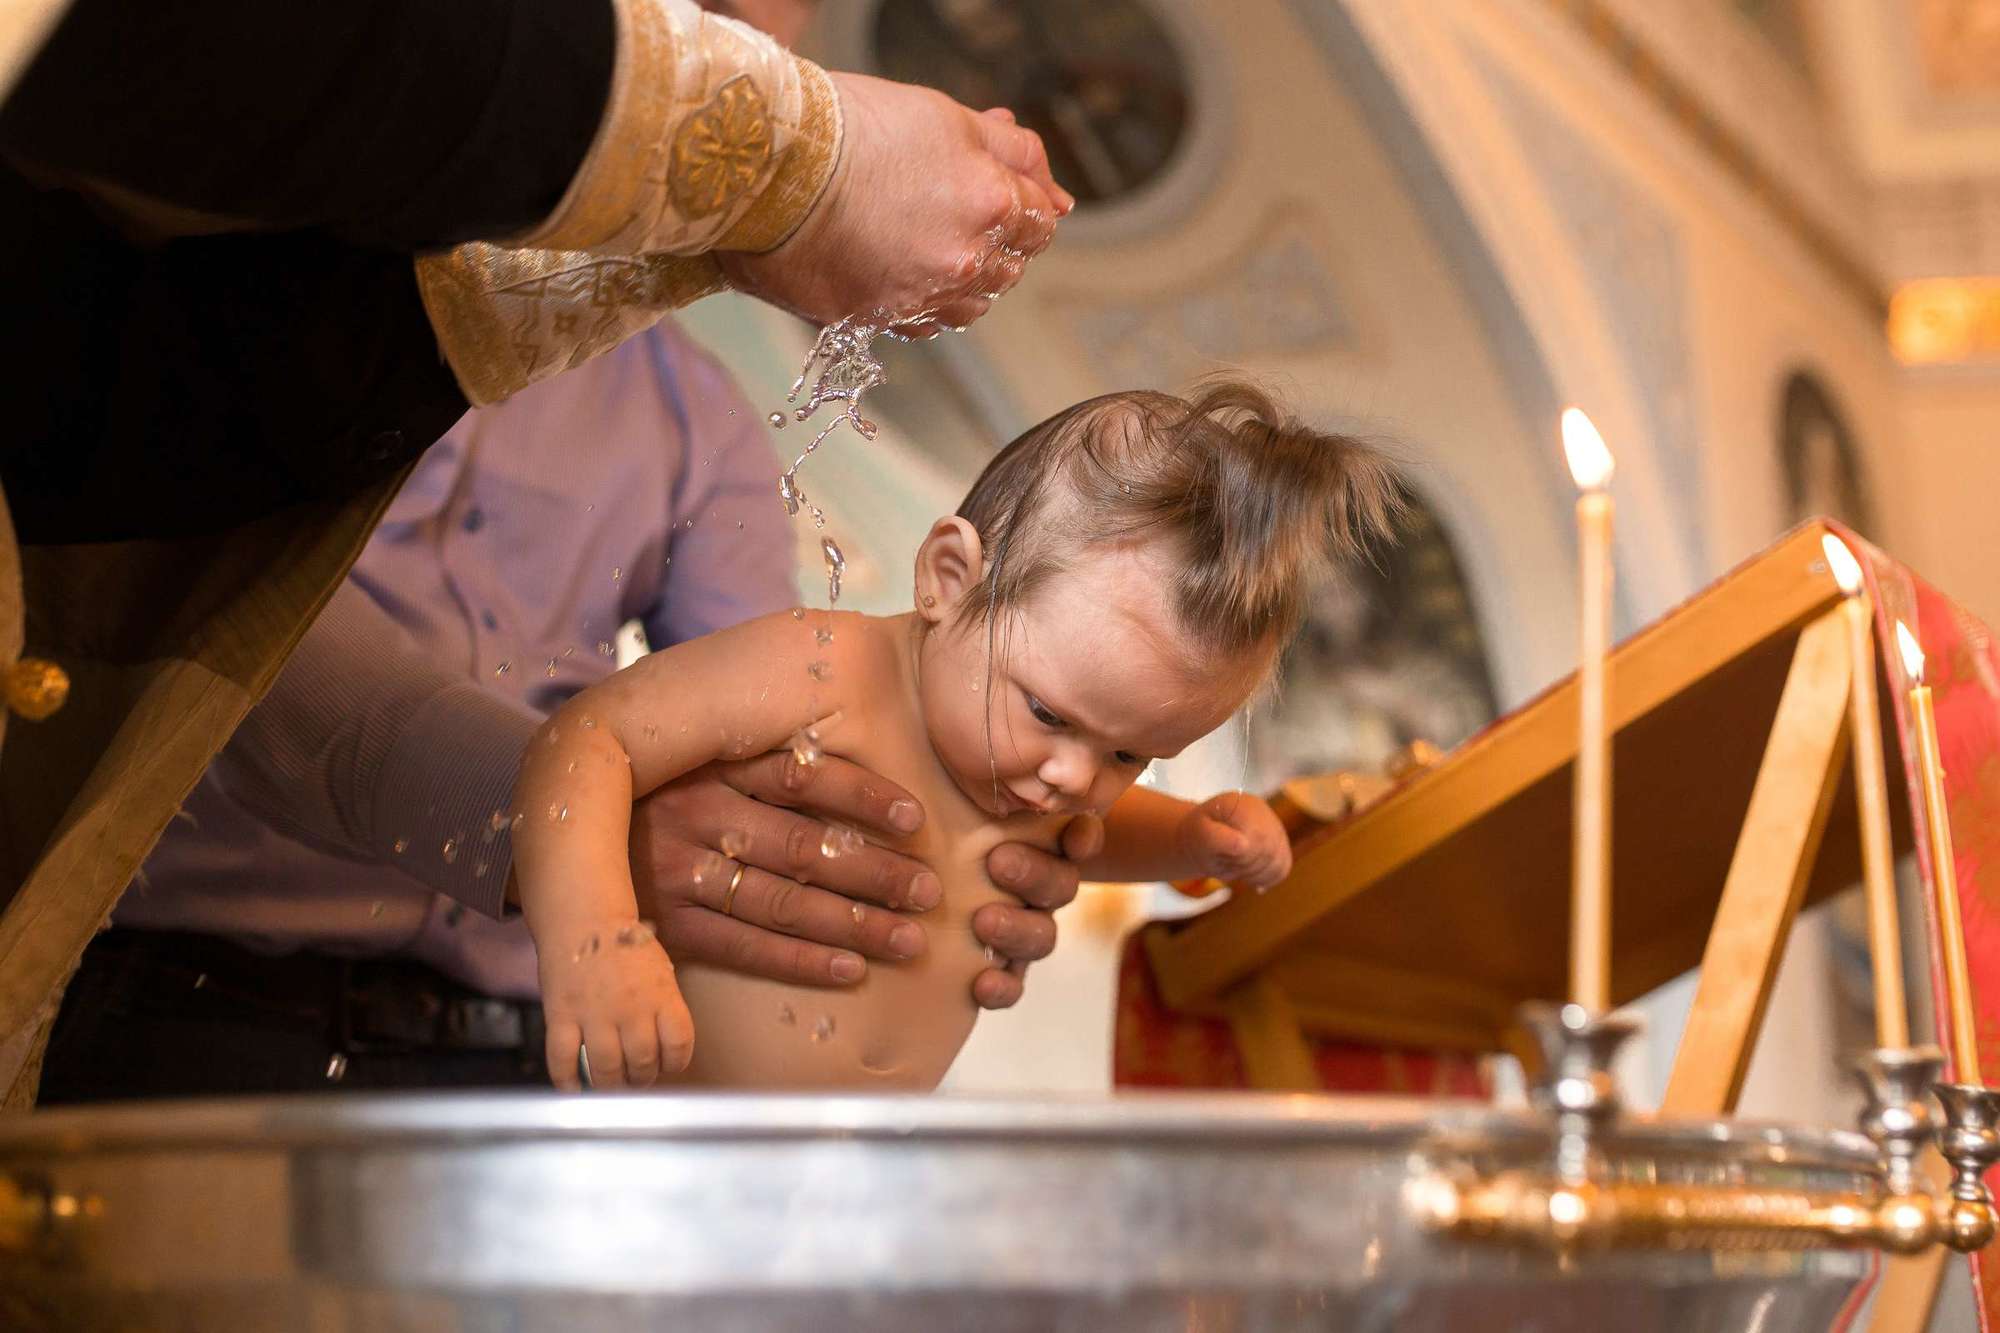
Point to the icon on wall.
(1390, 653)
(1819, 458)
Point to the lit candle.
(1871, 791)
(1590, 852)
(1944, 869)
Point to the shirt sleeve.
(363, 744)
(736, 561)
(409, 126)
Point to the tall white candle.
(1871, 795)
(1590, 887)
(1944, 866)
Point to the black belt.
(363, 1006)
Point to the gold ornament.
(36, 688)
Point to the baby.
(1118, 583)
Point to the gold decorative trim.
(720, 151)
(506, 319)
(802, 175)
(714, 136)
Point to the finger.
(607, 1055)
(1032, 875)
(996, 988)
(794, 845)
(559, 1046)
(1021, 149)
(1019, 934)
(675, 1031)
(831, 786)
(1083, 838)
(790, 908)
(639, 1042)
(703, 936)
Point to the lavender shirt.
(356, 809)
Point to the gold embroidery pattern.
(802, 173)
(720, 151)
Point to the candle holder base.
(1575, 1082)
(1970, 1142)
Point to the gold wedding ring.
(729, 894)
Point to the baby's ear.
(950, 563)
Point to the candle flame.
(1913, 656)
(1846, 569)
(1589, 461)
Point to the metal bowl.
(531, 1213)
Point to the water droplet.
(552, 666)
(777, 420)
(496, 821)
(856, 912)
(822, 1029)
(628, 936)
(734, 843)
(479, 869)
(820, 670)
(336, 1067)
(572, 766)
(517, 820)
(556, 812)
(588, 508)
(604, 648)
(991, 956)
(840, 840)
(651, 731)
(823, 636)
(569, 651)
(617, 573)
(376, 908)
(786, 1017)
(450, 850)
(798, 613)
(805, 747)
(586, 949)
(589, 723)
(503, 668)
(836, 565)
(402, 845)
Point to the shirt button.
(491, 621)
(474, 520)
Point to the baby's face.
(1089, 682)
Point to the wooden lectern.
(1425, 919)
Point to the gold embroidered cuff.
(507, 318)
(802, 177)
(705, 115)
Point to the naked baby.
(1118, 582)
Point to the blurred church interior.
(1759, 240)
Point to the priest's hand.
(933, 211)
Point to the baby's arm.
(606, 983)
(1233, 837)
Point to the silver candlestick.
(1898, 1118)
(1970, 1141)
(1575, 1080)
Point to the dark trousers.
(159, 1014)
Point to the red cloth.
(1154, 1047)
(1962, 667)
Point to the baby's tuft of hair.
(1256, 505)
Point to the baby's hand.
(1237, 838)
(611, 990)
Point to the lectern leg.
(1270, 1039)
(1767, 875)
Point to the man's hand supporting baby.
(793, 916)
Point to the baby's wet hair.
(1255, 504)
